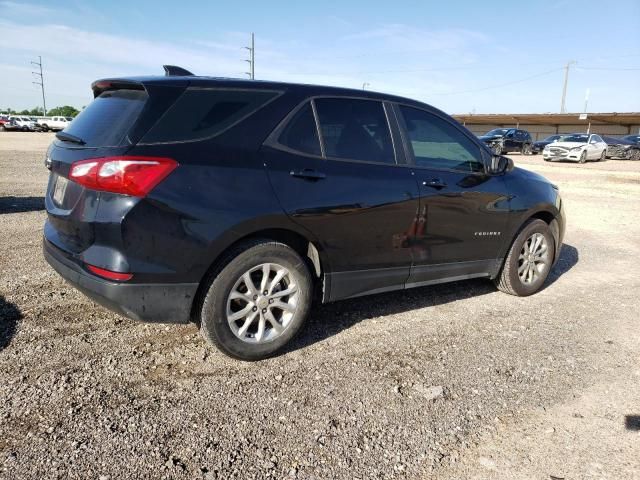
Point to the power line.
(499, 85)
(41, 83)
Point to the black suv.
(236, 203)
(505, 140)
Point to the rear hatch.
(118, 116)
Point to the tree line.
(65, 111)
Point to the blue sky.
(461, 56)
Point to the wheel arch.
(308, 249)
(546, 216)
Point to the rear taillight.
(108, 274)
(135, 176)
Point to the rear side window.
(437, 143)
(107, 120)
(301, 133)
(201, 113)
(355, 130)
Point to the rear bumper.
(148, 302)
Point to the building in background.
(541, 125)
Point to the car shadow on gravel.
(10, 315)
(21, 204)
(632, 422)
(569, 257)
(330, 319)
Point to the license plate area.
(59, 191)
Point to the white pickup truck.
(54, 123)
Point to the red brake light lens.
(108, 274)
(135, 176)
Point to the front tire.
(603, 156)
(529, 260)
(583, 157)
(257, 300)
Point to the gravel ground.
(453, 381)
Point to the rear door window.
(203, 113)
(354, 129)
(436, 143)
(106, 121)
(301, 133)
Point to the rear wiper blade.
(67, 137)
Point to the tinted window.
(437, 143)
(201, 113)
(301, 133)
(355, 129)
(497, 131)
(106, 121)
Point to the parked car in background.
(505, 140)
(3, 119)
(577, 147)
(622, 149)
(538, 147)
(55, 123)
(632, 138)
(234, 204)
(24, 123)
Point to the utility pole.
(365, 85)
(586, 99)
(564, 88)
(41, 83)
(252, 58)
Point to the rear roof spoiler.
(174, 71)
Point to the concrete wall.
(538, 132)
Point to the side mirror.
(500, 165)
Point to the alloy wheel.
(262, 303)
(533, 259)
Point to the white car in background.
(578, 147)
(55, 123)
(24, 123)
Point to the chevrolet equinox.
(235, 203)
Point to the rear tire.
(238, 317)
(529, 260)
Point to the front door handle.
(435, 183)
(308, 174)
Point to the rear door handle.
(308, 174)
(435, 183)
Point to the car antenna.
(174, 71)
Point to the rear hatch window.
(106, 121)
(203, 113)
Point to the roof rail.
(173, 71)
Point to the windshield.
(551, 138)
(497, 131)
(576, 137)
